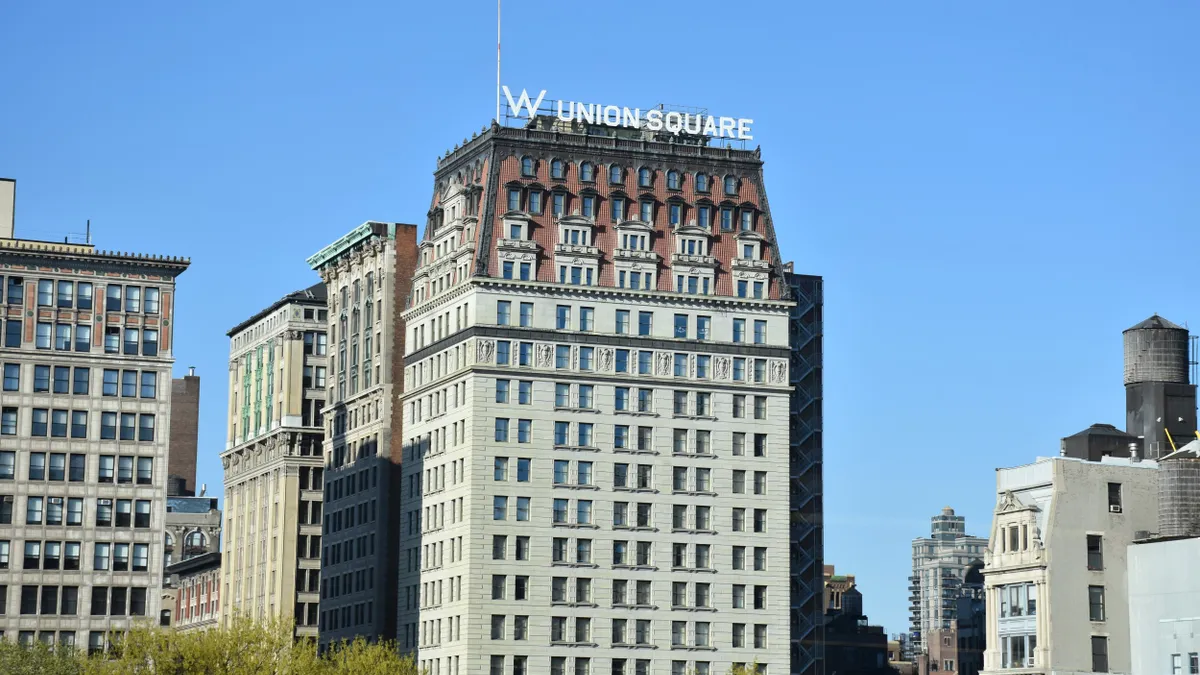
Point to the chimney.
(8, 203)
(191, 371)
(1133, 452)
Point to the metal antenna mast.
(497, 61)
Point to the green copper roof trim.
(358, 234)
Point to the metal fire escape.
(805, 455)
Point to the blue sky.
(993, 191)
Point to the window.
(501, 435)
(674, 181)
(646, 211)
(562, 317)
(1114, 502)
(503, 312)
(645, 322)
(618, 209)
(558, 169)
(535, 202)
(144, 470)
(145, 427)
(12, 377)
(499, 508)
(133, 299)
(614, 173)
(8, 421)
(587, 172)
(760, 331)
(681, 325)
(526, 166)
(82, 377)
(1099, 654)
(587, 318)
(514, 204)
(1096, 603)
(526, 316)
(1095, 552)
(151, 303)
(502, 391)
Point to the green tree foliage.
(245, 648)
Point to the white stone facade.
(1055, 573)
(516, 556)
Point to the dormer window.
(701, 182)
(747, 219)
(644, 177)
(675, 214)
(587, 172)
(674, 180)
(692, 246)
(748, 251)
(527, 166)
(558, 169)
(647, 210)
(514, 199)
(618, 209)
(731, 185)
(588, 203)
(516, 230)
(576, 236)
(560, 204)
(704, 216)
(726, 217)
(535, 201)
(635, 242)
(614, 173)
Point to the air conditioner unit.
(1029, 659)
(56, 500)
(1114, 508)
(8, 499)
(104, 502)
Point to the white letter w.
(524, 102)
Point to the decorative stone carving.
(545, 355)
(721, 367)
(606, 359)
(664, 364)
(574, 356)
(484, 350)
(778, 371)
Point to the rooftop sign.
(655, 119)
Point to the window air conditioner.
(8, 499)
(1114, 508)
(56, 500)
(104, 502)
(1029, 659)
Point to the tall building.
(87, 355)
(185, 430)
(274, 472)
(597, 408)
(368, 273)
(940, 563)
(959, 648)
(1055, 573)
(805, 472)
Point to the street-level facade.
(596, 413)
(87, 353)
(367, 273)
(1055, 580)
(274, 468)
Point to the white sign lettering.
(654, 120)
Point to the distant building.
(940, 562)
(185, 429)
(87, 352)
(897, 658)
(836, 586)
(193, 528)
(1058, 549)
(274, 467)
(197, 582)
(959, 649)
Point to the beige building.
(86, 353)
(836, 586)
(940, 563)
(273, 465)
(1055, 571)
(368, 273)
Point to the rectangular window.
(1099, 654)
(681, 325)
(1096, 603)
(1095, 552)
(81, 379)
(502, 352)
(503, 312)
(145, 427)
(562, 317)
(587, 318)
(132, 339)
(501, 435)
(645, 322)
(622, 361)
(760, 332)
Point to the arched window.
(701, 182)
(558, 169)
(674, 181)
(587, 172)
(193, 544)
(644, 176)
(526, 166)
(730, 185)
(614, 173)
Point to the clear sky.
(993, 191)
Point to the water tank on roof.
(1179, 492)
(1156, 350)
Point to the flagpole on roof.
(497, 61)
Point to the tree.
(747, 669)
(244, 648)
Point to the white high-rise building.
(595, 474)
(940, 562)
